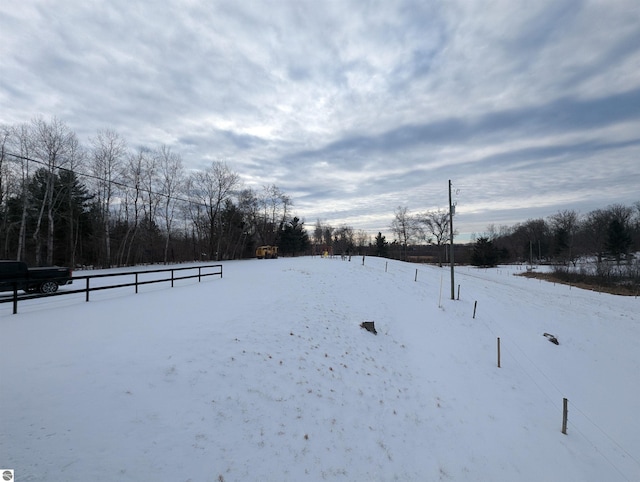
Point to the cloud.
(355, 106)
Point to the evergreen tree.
(382, 246)
(484, 253)
(72, 210)
(293, 238)
(618, 239)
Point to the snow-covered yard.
(266, 375)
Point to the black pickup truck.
(16, 274)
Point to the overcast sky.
(352, 108)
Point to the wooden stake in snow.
(416, 278)
(498, 352)
(475, 305)
(565, 415)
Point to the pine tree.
(382, 246)
(293, 238)
(618, 239)
(484, 253)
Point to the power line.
(102, 179)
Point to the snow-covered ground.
(266, 375)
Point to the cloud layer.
(353, 108)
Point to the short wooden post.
(87, 290)
(15, 297)
(363, 260)
(416, 278)
(475, 305)
(565, 413)
(498, 352)
(458, 292)
(136, 283)
(385, 266)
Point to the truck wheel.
(49, 287)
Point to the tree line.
(105, 204)
(608, 234)
(597, 249)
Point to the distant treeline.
(609, 234)
(104, 204)
(563, 238)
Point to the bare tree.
(172, 183)
(436, 224)
(131, 206)
(344, 239)
(77, 157)
(22, 145)
(108, 154)
(619, 229)
(564, 226)
(275, 206)
(362, 239)
(150, 191)
(317, 232)
(405, 227)
(211, 188)
(6, 181)
(52, 142)
(5, 136)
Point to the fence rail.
(139, 279)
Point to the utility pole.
(453, 283)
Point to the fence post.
(565, 413)
(416, 278)
(199, 273)
(15, 297)
(498, 352)
(458, 292)
(136, 283)
(475, 305)
(87, 290)
(172, 278)
(363, 260)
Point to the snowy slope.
(266, 375)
